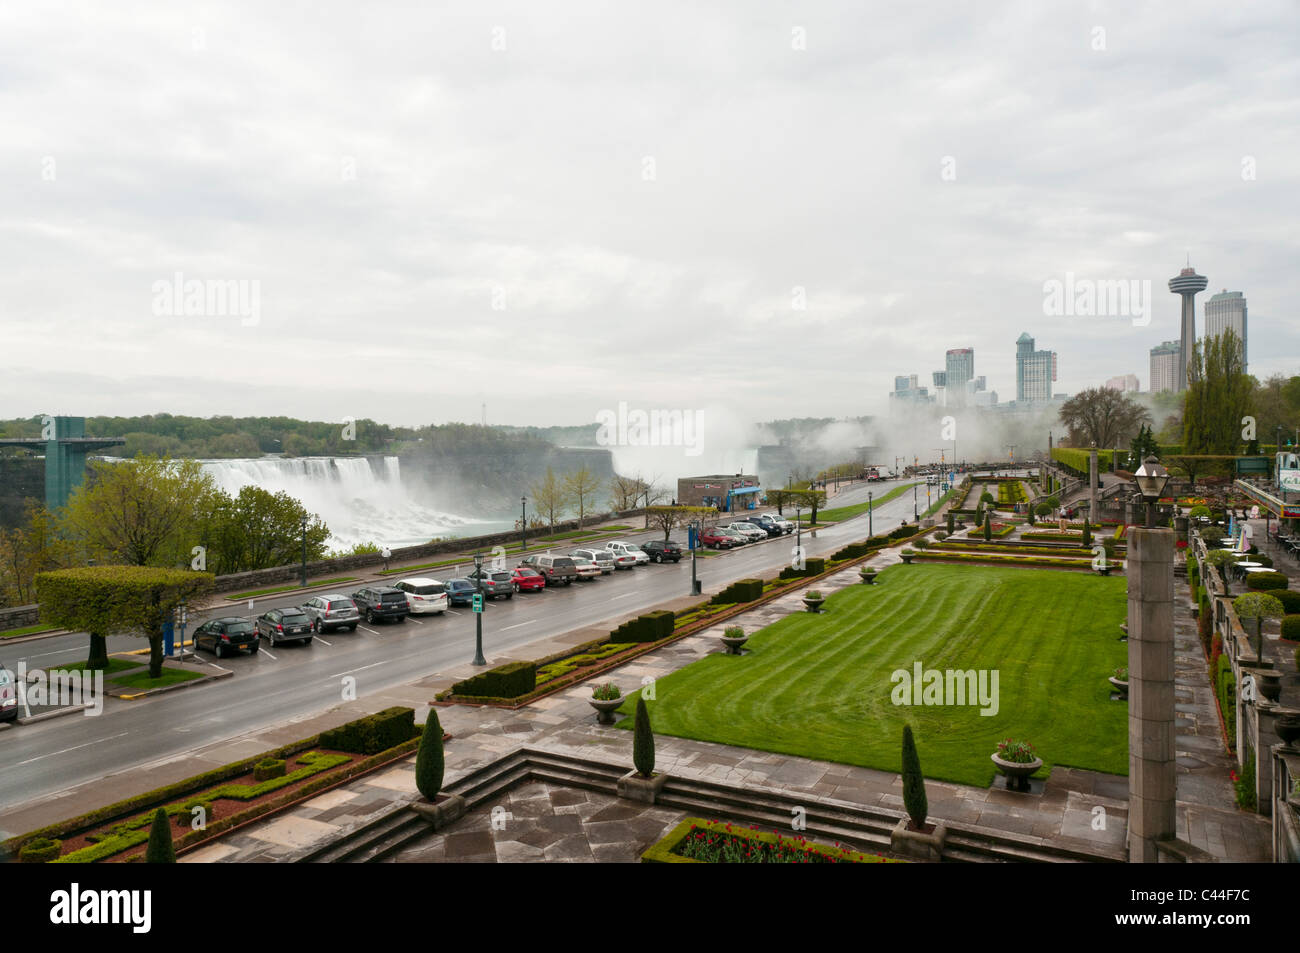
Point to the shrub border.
(661, 851)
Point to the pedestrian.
(387, 554)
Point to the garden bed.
(697, 841)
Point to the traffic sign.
(478, 602)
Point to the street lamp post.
(1151, 479)
(870, 531)
(304, 551)
(478, 615)
(915, 513)
(523, 524)
(798, 529)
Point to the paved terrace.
(564, 824)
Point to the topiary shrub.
(1086, 540)
(1290, 600)
(39, 850)
(430, 762)
(643, 741)
(650, 627)
(742, 590)
(1266, 581)
(951, 522)
(986, 497)
(161, 850)
(378, 732)
(268, 768)
(1291, 627)
(914, 798)
(988, 527)
(1043, 509)
(505, 681)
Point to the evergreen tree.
(160, 849)
(988, 526)
(643, 741)
(430, 763)
(914, 799)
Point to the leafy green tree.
(1142, 446)
(35, 547)
(643, 741)
(430, 762)
(914, 799)
(161, 850)
(258, 529)
(1219, 394)
(108, 600)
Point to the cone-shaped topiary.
(429, 762)
(643, 742)
(1087, 532)
(160, 849)
(951, 522)
(988, 526)
(913, 782)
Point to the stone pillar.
(1151, 756)
(1092, 485)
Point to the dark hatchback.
(382, 602)
(660, 551)
(222, 636)
(285, 625)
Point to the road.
(289, 682)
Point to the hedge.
(269, 768)
(1291, 627)
(663, 850)
(813, 566)
(505, 681)
(650, 627)
(374, 733)
(1290, 600)
(1076, 562)
(1226, 689)
(550, 671)
(742, 590)
(1266, 581)
(40, 850)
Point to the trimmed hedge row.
(505, 681)
(742, 590)
(650, 627)
(373, 733)
(1291, 627)
(558, 669)
(813, 566)
(1290, 600)
(1266, 581)
(1064, 563)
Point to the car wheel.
(253, 650)
(218, 651)
(510, 595)
(352, 627)
(370, 616)
(304, 641)
(316, 627)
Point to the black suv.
(659, 551)
(382, 602)
(224, 635)
(285, 625)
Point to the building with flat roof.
(1124, 383)
(1035, 371)
(728, 492)
(1226, 311)
(1166, 365)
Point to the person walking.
(387, 554)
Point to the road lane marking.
(319, 639)
(517, 625)
(364, 629)
(361, 669)
(623, 596)
(73, 748)
(59, 652)
(273, 658)
(411, 618)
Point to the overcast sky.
(555, 207)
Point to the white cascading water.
(359, 501)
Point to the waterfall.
(361, 499)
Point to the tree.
(550, 497)
(811, 500)
(258, 529)
(914, 799)
(1103, 416)
(35, 547)
(581, 485)
(1219, 395)
(1142, 446)
(1086, 540)
(430, 762)
(161, 850)
(667, 518)
(108, 600)
(143, 512)
(988, 527)
(625, 492)
(643, 741)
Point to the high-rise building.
(1166, 366)
(959, 370)
(1124, 382)
(1186, 286)
(907, 391)
(1035, 370)
(1227, 311)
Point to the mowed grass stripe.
(820, 686)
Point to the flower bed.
(996, 530)
(697, 841)
(1060, 562)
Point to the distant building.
(906, 391)
(1186, 285)
(1125, 383)
(959, 370)
(1227, 311)
(728, 492)
(1166, 366)
(939, 378)
(1035, 371)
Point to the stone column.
(1151, 757)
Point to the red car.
(526, 579)
(715, 540)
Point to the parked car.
(558, 570)
(766, 524)
(781, 523)
(603, 558)
(423, 595)
(586, 569)
(460, 592)
(740, 539)
(749, 530)
(527, 580)
(494, 582)
(715, 538)
(621, 548)
(331, 611)
(284, 625)
(381, 602)
(8, 695)
(660, 551)
(228, 634)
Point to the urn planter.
(1287, 728)
(868, 576)
(605, 708)
(1120, 687)
(443, 810)
(1017, 773)
(733, 643)
(1270, 685)
(907, 558)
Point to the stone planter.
(442, 811)
(907, 558)
(813, 605)
(868, 576)
(605, 708)
(636, 788)
(733, 643)
(1017, 774)
(1120, 687)
(1287, 728)
(923, 845)
(1270, 685)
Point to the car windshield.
(460, 584)
(563, 562)
(340, 604)
(393, 597)
(428, 590)
(525, 572)
(500, 576)
(238, 628)
(293, 618)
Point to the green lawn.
(270, 592)
(115, 666)
(170, 676)
(25, 630)
(820, 685)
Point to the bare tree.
(581, 485)
(625, 492)
(550, 497)
(668, 518)
(1102, 416)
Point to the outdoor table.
(1243, 568)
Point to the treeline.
(153, 511)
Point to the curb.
(224, 673)
(20, 639)
(47, 715)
